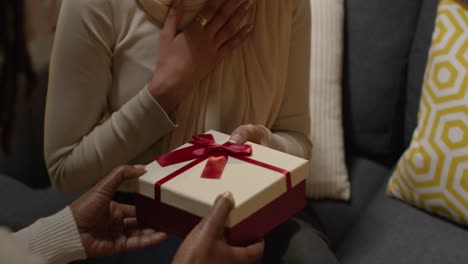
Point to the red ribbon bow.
(204, 146)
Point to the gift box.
(180, 187)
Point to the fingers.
(241, 134)
(140, 232)
(144, 239)
(209, 11)
(212, 226)
(253, 133)
(223, 15)
(110, 184)
(130, 224)
(235, 42)
(231, 25)
(129, 211)
(250, 254)
(174, 18)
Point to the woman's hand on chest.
(187, 57)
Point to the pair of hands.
(107, 227)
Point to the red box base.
(171, 220)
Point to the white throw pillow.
(329, 176)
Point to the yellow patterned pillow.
(433, 173)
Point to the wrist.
(164, 89)
(56, 238)
(74, 209)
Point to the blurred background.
(26, 29)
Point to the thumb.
(212, 226)
(111, 183)
(174, 18)
(249, 254)
(240, 135)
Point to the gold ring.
(203, 21)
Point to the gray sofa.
(387, 44)
(386, 51)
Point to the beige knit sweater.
(104, 55)
(51, 240)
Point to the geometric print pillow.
(433, 172)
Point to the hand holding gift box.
(180, 187)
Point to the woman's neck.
(158, 9)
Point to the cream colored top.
(104, 55)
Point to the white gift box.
(264, 196)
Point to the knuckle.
(121, 169)
(243, 127)
(240, 130)
(251, 129)
(164, 36)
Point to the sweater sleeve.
(54, 239)
(79, 150)
(291, 130)
(11, 252)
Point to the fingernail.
(228, 195)
(235, 139)
(163, 235)
(141, 167)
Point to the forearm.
(129, 131)
(291, 131)
(54, 239)
(79, 148)
(293, 143)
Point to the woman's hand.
(187, 57)
(206, 245)
(107, 227)
(253, 133)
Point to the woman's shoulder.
(84, 5)
(101, 17)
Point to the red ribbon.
(204, 147)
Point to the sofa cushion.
(417, 65)
(393, 232)
(433, 172)
(329, 177)
(379, 35)
(337, 217)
